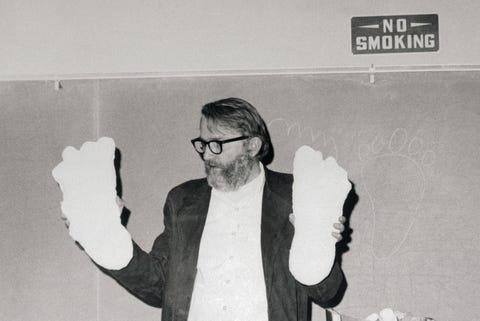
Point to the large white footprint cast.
(320, 188)
(87, 179)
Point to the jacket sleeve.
(146, 274)
(329, 290)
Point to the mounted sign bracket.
(371, 72)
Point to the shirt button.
(230, 257)
(227, 281)
(224, 308)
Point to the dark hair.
(239, 114)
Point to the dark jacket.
(165, 277)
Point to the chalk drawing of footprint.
(393, 176)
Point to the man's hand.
(338, 226)
(120, 203)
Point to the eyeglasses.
(215, 146)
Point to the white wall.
(90, 36)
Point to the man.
(224, 253)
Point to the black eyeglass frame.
(219, 142)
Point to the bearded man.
(224, 253)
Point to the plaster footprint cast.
(320, 188)
(87, 179)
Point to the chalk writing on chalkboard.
(299, 135)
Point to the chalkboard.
(409, 142)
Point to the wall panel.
(43, 274)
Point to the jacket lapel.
(191, 221)
(192, 217)
(275, 211)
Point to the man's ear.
(254, 146)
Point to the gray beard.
(231, 176)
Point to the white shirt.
(230, 284)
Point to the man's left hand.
(340, 227)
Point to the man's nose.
(207, 155)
